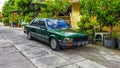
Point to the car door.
(42, 31)
(33, 27)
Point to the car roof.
(44, 19)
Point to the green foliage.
(14, 18)
(87, 24)
(5, 21)
(44, 15)
(26, 6)
(23, 6)
(0, 18)
(88, 7)
(107, 11)
(8, 7)
(57, 6)
(28, 18)
(31, 14)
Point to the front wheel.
(54, 44)
(29, 36)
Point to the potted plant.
(107, 16)
(110, 41)
(118, 41)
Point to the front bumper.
(76, 44)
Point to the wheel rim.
(53, 43)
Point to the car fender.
(52, 36)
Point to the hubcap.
(53, 43)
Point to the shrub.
(5, 21)
(14, 18)
(87, 24)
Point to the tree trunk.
(111, 30)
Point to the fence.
(115, 29)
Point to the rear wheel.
(29, 36)
(54, 44)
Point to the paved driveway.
(16, 51)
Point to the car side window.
(34, 23)
(41, 24)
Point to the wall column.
(75, 16)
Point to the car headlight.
(67, 40)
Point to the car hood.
(69, 33)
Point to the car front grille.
(84, 38)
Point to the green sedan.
(55, 32)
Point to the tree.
(57, 6)
(23, 6)
(107, 11)
(8, 7)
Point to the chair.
(98, 35)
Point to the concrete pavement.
(16, 51)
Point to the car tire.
(54, 44)
(29, 36)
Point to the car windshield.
(57, 24)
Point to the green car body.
(64, 36)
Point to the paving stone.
(21, 64)
(1, 36)
(4, 44)
(36, 52)
(89, 64)
(28, 46)
(50, 61)
(9, 49)
(70, 55)
(3, 40)
(69, 66)
(10, 58)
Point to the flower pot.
(110, 42)
(118, 44)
